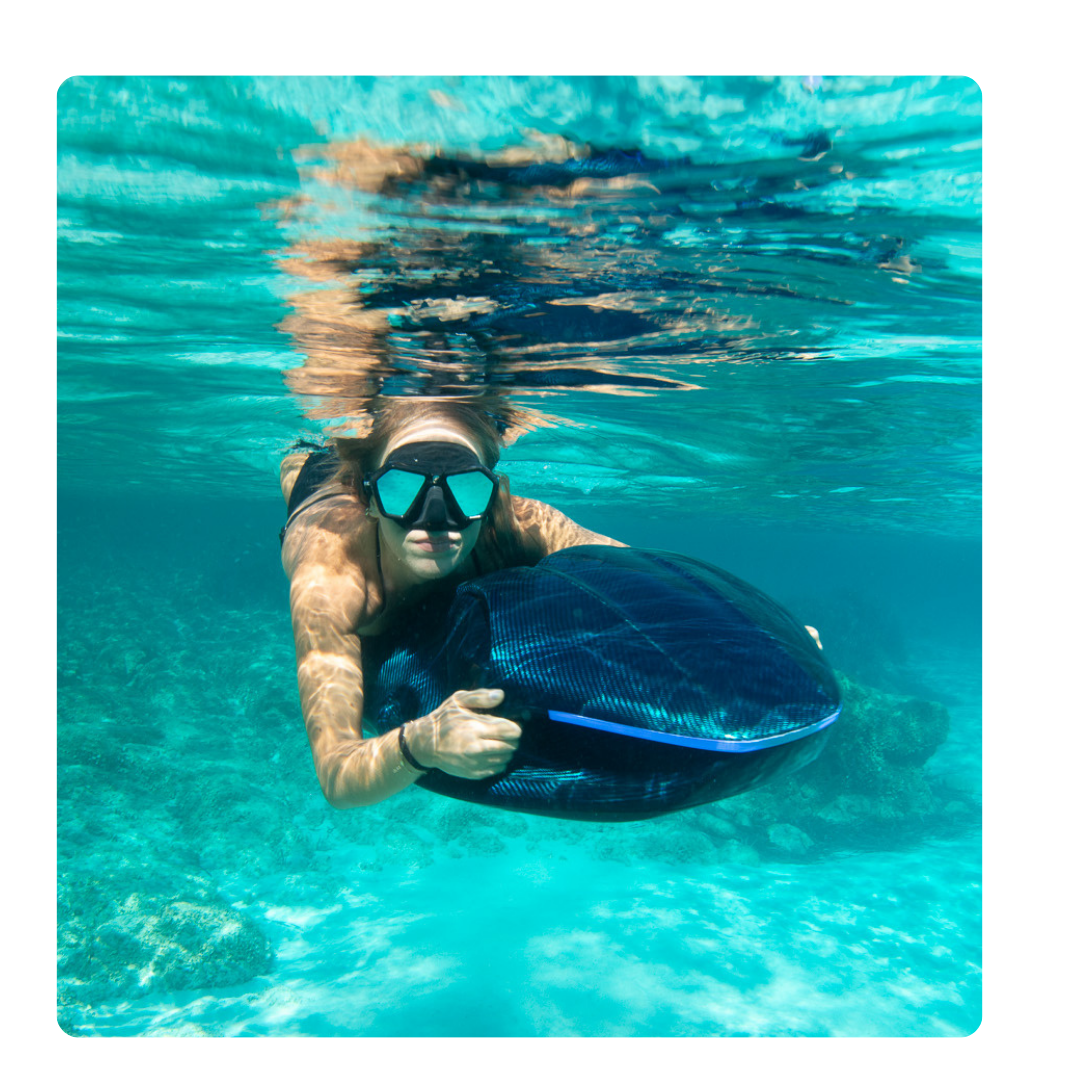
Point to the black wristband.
(404, 746)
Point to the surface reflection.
(545, 270)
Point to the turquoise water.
(760, 345)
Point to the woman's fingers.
(502, 730)
(469, 743)
(497, 746)
(478, 699)
(493, 727)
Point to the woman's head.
(433, 438)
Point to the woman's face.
(415, 555)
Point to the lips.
(436, 543)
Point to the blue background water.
(826, 447)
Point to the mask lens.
(472, 491)
(398, 490)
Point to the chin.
(433, 568)
(436, 564)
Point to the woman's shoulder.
(328, 553)
(331, 518)
(291, 466)
(548, 528)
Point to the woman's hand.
(462, 742)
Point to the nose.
(434, 514)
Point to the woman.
(411, 508)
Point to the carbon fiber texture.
(645, 639)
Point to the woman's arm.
(352, 770)
(328, 598)
(549, 530)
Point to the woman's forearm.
(361, 772)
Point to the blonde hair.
(360, 456)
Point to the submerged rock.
(735, 851)
(878, 751)
(116, 938)
(869, 776)
(789, 838)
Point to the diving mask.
(432, 485)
